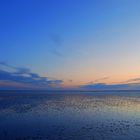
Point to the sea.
(69, 115)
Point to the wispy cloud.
(23, 76)
(98, 80)
(57, 43)
(56, 39)
(56, 52)
(133, 80)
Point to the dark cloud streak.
(103, 86)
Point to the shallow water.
(30, 115)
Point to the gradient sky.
(76, 42)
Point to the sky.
(84, 44)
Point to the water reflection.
(70, 116)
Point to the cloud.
(98, 80)
(133, 80)
(70, 80)
(6, 65)
(25, 78)
(56, 52)
(131, 84)
(56, 39)
(103, 86)
(57, 42)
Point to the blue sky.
(78, 42)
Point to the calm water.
(69, 115)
